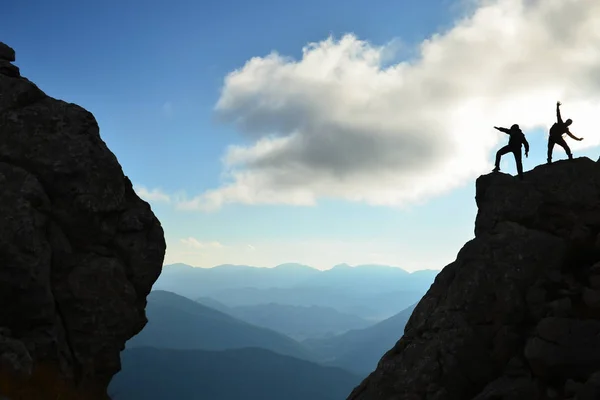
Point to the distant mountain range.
(194, 282)
(175, 322)
(243, 333)
(371, 292)
(360, 350)
(297, 322)
(150, 373)
(370, 306)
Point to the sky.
(318, 132)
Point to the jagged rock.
(564, 347)
(595, 269)
(560, 308)
(591, 298)
(8, 69)
(536, 300)
(594, 281)
(514, 292)
(6, 52)
(509, 389)
(559, 198)
(551, 393)
(14, 356)
(572, 387)
(554, 276)
(591, 389)
(79, 249)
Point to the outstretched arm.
(558, 117)
(572, 136)
(502, 129)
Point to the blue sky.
(153, 74)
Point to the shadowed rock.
(516, 315)
(79, 250)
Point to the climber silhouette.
(517, 138)
(558, 129)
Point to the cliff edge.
(79, 250)
(517, 315)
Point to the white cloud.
(318, 253)
(152, 195)
(193, 242)
(337, 124)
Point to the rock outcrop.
(79, 250)
(517, 315)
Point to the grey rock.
(9, 70)
(591, 297)
(591, 389)
(559, 198)
(552, 393)
(467, 326)
(6, 52)
(536, 300)
(564, 347)
(572, 387)
(507, 296)
(595, 268)
(79, 249)
(15, 357)
(594, 281)
(561, 307)
(509, 389)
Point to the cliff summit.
(79, 250)
(517, 315)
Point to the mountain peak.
(294, 267)
(517, 315)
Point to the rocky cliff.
(79, 250)
(517, 315)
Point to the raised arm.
(558, 117)
(502, 129)
(572, 136)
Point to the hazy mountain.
(149, 373)
(359, 351)
(371, 306)
(361, 280)
(194, 282)
(297, 322)
(215, 305)
(176, 322)
(372, 279)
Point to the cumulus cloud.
(152, 195)
(342, 123)
(193, 242)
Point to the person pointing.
(517, 139)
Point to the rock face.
(79, 250)
(517, 315)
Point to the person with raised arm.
(555, 136)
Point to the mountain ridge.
(359, 350)
(297, 322)
(179, 323)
